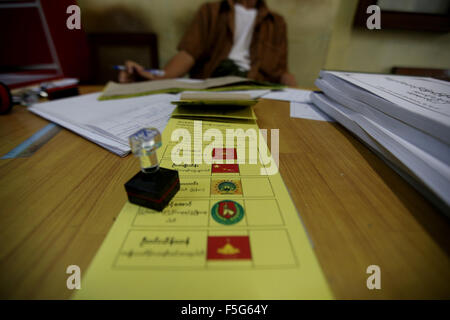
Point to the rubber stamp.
(152, 187)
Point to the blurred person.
(229, 37)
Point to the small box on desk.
(63, 92)
(153, 190)
(61, 89)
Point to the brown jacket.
(209, 40)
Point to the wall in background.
(380, 51)
(320, 34)
(359, 49)
(310, 26)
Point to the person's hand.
(288, 79)
(134, 72)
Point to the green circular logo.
(227, 212)
(227, 187)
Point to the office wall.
(360, 49)
(310, 26)
(380, 51)
(320, 34)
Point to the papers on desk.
(423, 103)
(308, 111)
(254, 94)
(108, 123)
(215, 105)
(288, 94)
(405, 120)
(301, 105)
(125, 90)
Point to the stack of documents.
(108, 123)
(229, 99)
(405, 120)
(215, 105)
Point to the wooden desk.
(57, 206)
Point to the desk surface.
(57, 206)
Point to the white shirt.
(244, 22)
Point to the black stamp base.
(153, 190)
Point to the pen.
(155, 72)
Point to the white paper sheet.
(308, 111)
(121, 126)
(289, 94)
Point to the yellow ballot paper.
(245, 113)
(231, 232)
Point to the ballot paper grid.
(188, 221)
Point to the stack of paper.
(405, 120)
(215, 105)
(108, 123)
(215, 98)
